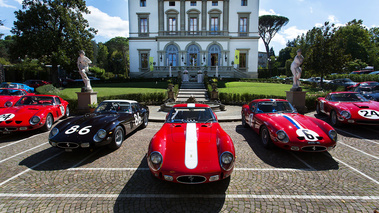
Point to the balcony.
(192, 33)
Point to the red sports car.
(33, 112)
(348, 108)
(191, 147)
(8, 96)
(278, 123)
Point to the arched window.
(172, 55)
(193, 55)
(214, 55)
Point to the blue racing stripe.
(290, 120)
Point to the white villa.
(217, 36)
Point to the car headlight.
(282, 136)
(333, 134)
(100, 135)
(53, 132)
(8, 104)
(226, 160)
(155, 160)
(345, 114)
(35, 120)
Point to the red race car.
(33, 112)
(348, 108)
(8, 96)
(278, 123)
(191, 147)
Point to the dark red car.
(36, 83)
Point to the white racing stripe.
(190, 159)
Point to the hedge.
(355, 77)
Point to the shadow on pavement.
(145, 193)
(280, 158)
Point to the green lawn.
(255, 88)
(118, 89)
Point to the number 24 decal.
(83, 131)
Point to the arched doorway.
(214, 55)
(172, 55)
(193, 55)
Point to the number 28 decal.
(83, 131)
(369, 113)
(309, 135)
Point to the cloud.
(107, 26)
(19, 1)
(265, 12)
(3, 3)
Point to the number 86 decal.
(83, 131)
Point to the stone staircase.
(194, 89)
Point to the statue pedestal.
(84, 99)
(297, 99)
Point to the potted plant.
(92, 107)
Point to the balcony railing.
(193, 33)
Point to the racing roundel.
(308, 134)
(369, 113)
(5, 117)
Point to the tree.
(53, 31)
(268, 26)
(118, 49)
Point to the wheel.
(318, 110)
(49, 123)
(67, 112)
(333, 118)
(145, 121)
(118, 138)
(244, 124)
(266, 139)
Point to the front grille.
(313, 148)
(8, 129)
(67, 145)
(191, 179)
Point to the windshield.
(35, 100)
(11, 92)
(348, 97)
(275, 107)
(113, 107)
(191, 115)
(8, 85)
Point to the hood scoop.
(362, 106)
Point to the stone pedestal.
(84, 99)
(297, 99)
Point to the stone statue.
(83, 64)
(296, 70)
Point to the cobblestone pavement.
(35, 177)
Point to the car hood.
(291, 122)
(93, 119)
(22, 112)
(355, 106)
(192, 146)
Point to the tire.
(67, 112)
(318, 110)
(118, 138)
(145, 120)
(244, 124)
(49, 123)
(333, 118)
(265, 138)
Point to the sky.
(110, 17)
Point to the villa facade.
(167, 37)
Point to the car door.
(58, 108)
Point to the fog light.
(331, 148)
(214, 178)
(295, 148)
(23, 128)
(53, 144)
(84, 145)
(168, 178)
(350, 121)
